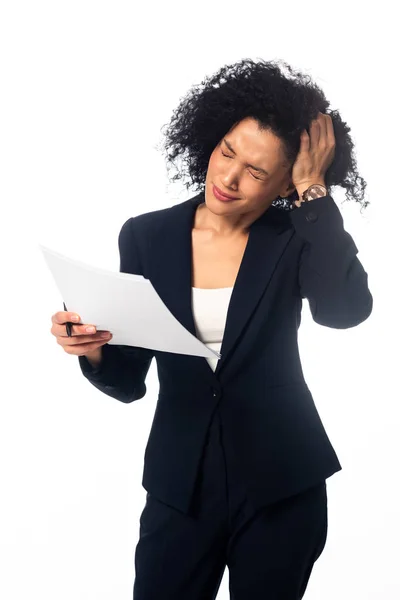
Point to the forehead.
(252, 143)
(250, 128)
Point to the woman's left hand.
(316, 153)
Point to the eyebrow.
(247, 164)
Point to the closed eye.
(227, 156)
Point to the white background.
(86, 87)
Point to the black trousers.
(269, 553)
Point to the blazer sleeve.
(330, 274)
(123, 369)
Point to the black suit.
(272, 430)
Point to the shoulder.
(149, 223)
(144, 221)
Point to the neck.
(223, 225)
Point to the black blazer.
(269, 417)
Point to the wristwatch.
(316, 190)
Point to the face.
(254, 187)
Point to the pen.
(68, 324)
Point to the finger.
(304, 141)
(61, 329)
(81, 349)
(314, 134)
(63, 316)
(330, 132)
(324, 126)
(82, 339)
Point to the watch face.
(315, 191)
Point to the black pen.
(68, 324)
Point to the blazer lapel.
(268, 238)
(171, 269)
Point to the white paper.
(126, 305)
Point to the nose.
(230, 180)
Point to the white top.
(210, 308)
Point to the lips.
(221, 193)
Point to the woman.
(237, 458)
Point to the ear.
(287, 190)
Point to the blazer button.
(311, 216)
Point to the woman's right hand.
(82, 342)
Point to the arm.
(331, 276)
(123, 369)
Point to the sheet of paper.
(125, 304)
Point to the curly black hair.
(283, 104)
